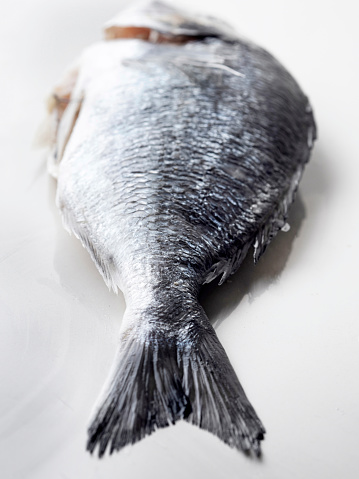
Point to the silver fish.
(177, 146)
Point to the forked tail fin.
(163, 376)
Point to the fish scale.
(179, 157)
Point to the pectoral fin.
(63, 109)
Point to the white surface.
(289, 325)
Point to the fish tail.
(160, 377)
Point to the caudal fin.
(160, 378)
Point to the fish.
(177, 146)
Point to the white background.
(289, 325)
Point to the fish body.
(173, 158)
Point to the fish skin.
(172, 161)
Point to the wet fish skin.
(174, 161)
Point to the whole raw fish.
(177, 146)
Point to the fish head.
(156, 21)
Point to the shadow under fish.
(253, 280)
